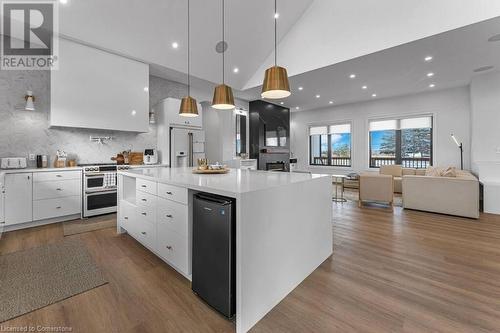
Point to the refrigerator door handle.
(190, 144)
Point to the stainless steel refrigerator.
(186, 146)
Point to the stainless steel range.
(100, 188)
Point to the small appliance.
(14, 163)
(150, 156)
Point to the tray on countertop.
(210, 172)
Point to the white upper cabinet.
(96, 89)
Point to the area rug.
(95, 223)
(35, 278)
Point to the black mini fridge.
(214, 252)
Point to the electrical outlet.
(31, 157)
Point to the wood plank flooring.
(405, 271)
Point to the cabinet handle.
(144, 200)
(2, 222)
(169, 193)
(58, 207)
(143, 186)
(29, 177)
(143, 232)
(58, 176)
(144, 214)
(125, 217)
(169, 216)
(58, 189)
(169, 247)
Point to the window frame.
(398, 158)
(329, 144)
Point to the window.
(330, 145)
(240, 135)
(406, 141)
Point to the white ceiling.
(145, 30)
(399, 70)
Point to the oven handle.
(94, 175)
(101, 191)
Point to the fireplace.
(276, 166)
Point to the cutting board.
(136, 158)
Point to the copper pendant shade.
(223, 98)
(276, 83)
(223, 94)
(188, 106)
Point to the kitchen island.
(283, 226)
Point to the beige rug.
(32, 279)
(94, 223)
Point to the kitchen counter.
(231, 184)
(283, 226)
(77, 168)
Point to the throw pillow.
(433, 172)
(449, 172)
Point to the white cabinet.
(96, 89)
(18, 198)
(158, 218)
(39, 196)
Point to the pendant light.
(188, 104)
(223, 94)
(275, 84)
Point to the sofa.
(457, 195)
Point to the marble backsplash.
(24, 132)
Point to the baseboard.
(32, 224)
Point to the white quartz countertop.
(32, 170)
(233, 183)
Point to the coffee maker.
(150, 156)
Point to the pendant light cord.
(223, 45)
(189, 50)
(275, 33)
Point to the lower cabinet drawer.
(50, 208)
(144, 231)
(173, 248)
(148, 213)
(56, 189)
(175, 193)
(127, 215)
(173, 216)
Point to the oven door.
(97, 203)
(93, 182)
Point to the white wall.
(485, 101)
(450, 108)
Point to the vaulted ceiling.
(313, 34)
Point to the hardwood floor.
(405, 271)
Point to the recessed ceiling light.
(374, 95)
(134, 112)
(318, 96)
(364, 87)
(352, 76)
(484, 68)
(301, 88)
(495, 38)
(175, 45)
(430, 74)
(428, 58)
(330, 102)
(297, 108)
(63, 1)
(146, 89)
(236, 70)
(276, 15)
(432, 85)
